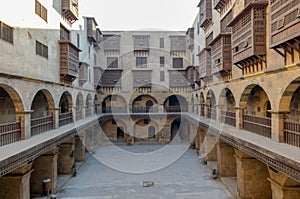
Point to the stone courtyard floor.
(186, 178)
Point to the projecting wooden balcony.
(285, 23)
(221, 54)
(205, 14)
(70, 10)
(249, 35)
(10, 133)
(220, 4)
(205, 63)
(258, 125)
(69, 61)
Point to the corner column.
(277, 122)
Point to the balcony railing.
(257, 124)
(41, 125)
(114, 110)
(10, 133)
(202, 109)
(212, 113)
(292, 133)
(65, 118)
(229, 117)
(285, 23)
(88, 112)
(143, 109)
(174, 109)
(69, 60)
(78, 114)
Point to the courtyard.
(184, 178)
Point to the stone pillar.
(210, 147)
(278, 125)
(219, 109)
(206, 110)
(55, 113)
(79, 148)
(65, 162)
(239, 117)
(83, 109)
(74, 113)
(25, 119)
(44, 166)
(252, 177)
(283, 187)
(226, 160)
(16, 185)
(165, 134)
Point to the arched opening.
(202, 104)
(120, 134)
(114, 130)
(114, 104)
(10, 122)
(290, 103)
(144, 104)
(176, 103)
(151, 132)
(211, 105)
(256, 117)
(79, 106)
(175, 131)
(88, 106)
(228, 107)
(41, 119)
(65, 104)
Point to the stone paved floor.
(186, 178)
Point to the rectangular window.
(177, 62)
(6, 32)
(95, 59)
(141, 62)
(64, 33)
(162, 61)
(162, 42)
(162, 76)
(41, 11)
(41, 49)
(112, 62)
(78, 40)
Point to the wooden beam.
(261, 58)
(279, 52)
(293, 46)
(286, 49)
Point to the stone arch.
(176, 103)
(114, 103)
(175, 129)
(210, 99)
(254, 99)
(141, 129)
(10, 105)
(65, 102)
(88, 105)
(202, 104)
(42, 104)
(144, 103)
(227, 100)
(290, 100)
(79, 106)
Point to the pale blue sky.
(141, 14)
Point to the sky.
(175, 15)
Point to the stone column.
(65, 162)
(252, 177)
(25, 119)
(74, 113)
(283, 187)
(210, 147)
(206, 110)
(44, 166)
(219, 109)
(278, 125)
(16, 185)
(226, 160)
(239, 117)
(79, 148)
(83, 109)
(55, 113)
